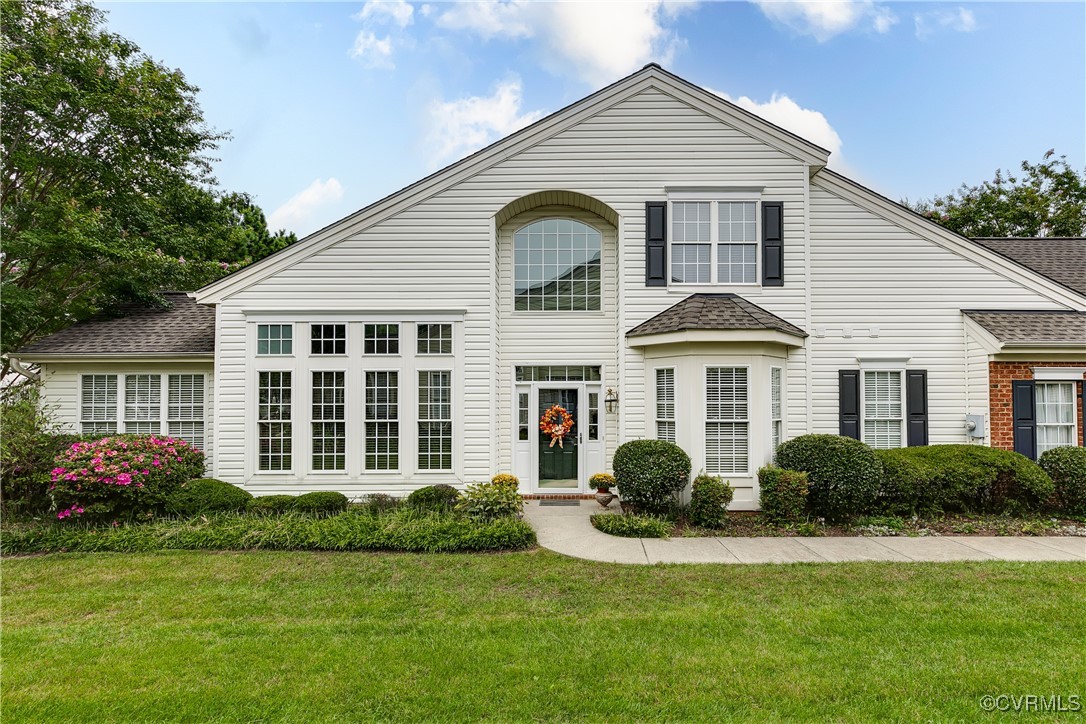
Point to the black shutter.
(655, 243)
(848, 383)
(772, 244)
(1025, 420)
(916, 405)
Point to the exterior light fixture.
(611, 400)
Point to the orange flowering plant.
(556, 422)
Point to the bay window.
(727, 433)
(665, 404)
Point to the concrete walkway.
(568, 530)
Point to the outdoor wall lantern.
(611, 400)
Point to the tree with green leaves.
(1046, 199)
(107, 194)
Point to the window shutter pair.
(656, 244)
(1024, 412)
(916, 405)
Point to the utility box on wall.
(974, 426)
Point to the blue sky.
(334, 105)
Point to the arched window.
(556, 266)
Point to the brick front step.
(560, 496)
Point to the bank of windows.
(1055, 410)
(883, 409)
(665, 404)
(776, 420)
(727, 422)
(714, 242)
(132, 404)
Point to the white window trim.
(418, 470)
(714, 200)
(275, 323)
(1074, 412)
(400, 400)
(164, 419)
(863, 400)
(1058, 374)
(674, 403)
(706, 420)
(346, 421)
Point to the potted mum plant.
(603, 482)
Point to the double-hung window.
(665, 404)
(382, 420)
(727, 425)
(185, 408)
(275, 429)
(142, 404)
(98, 404)
(329, 424)
(1055, 403)
(435, 420)
(714, 242)
(775, 406)
(883, 409)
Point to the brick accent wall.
(1000, 377)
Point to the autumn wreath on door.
(556, 422)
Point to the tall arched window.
(556, 266)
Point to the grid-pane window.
(665, 404)
(185, 408)
(691, 238)
(274, 339)
(558, 373)
(381, 339)
(726, 422)
(328, 421)
(435, 420)
(593, 416)
(98, 404)
(522, 416)
(142, 404)
(737, 232)
(382, 420)
(775, 394)
(714, 242)
(883, 409)
(1055, 415)
(435, 339)
(274, 420)
(556, 266)
(328, 338)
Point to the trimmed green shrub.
(434, 497)
(709, 501)
(843, 474)
(271, 504)
(783, 494)
(122, 476)
(375, 504)
(490, 501)
(960, 478)
(629, 525)
(400, 530)
(1066, 466)
(650, 473)
(321, 501)
(207, 495)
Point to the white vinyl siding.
(776, 406)
(727, 427)
(1055, 403)
(382, 420)
(276, 439)
(98, 404)
(883, 409)
(435, 420)
(328, 421)
(142, 404)
(665, 404)
(185, 408)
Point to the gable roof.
(1035, 327)
(1060, 258)
(185, 328)
(715, 312)
(650, 76)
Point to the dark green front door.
(558, 465)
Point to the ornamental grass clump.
(121, 477)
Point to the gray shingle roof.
(714, 311)
(1061, 259)
(1034, 327)
(184, 328)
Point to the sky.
(331, 106)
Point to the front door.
(558, 463)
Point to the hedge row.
(402, 530)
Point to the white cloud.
(299, 207)
(597, 41)
(824, 19)
(396, 11)
(959, 20)
(374, 52)
(462, 126)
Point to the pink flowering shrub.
(127, 476)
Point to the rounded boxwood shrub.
(207, 495)
(649, 473)
(1066, 466)
(783, 494)
(321, 501)
(433, 497)
(123, 476)
(709, 501)
(960, 478)
(843, 474)
(271, 503)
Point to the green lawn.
(305, 636)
